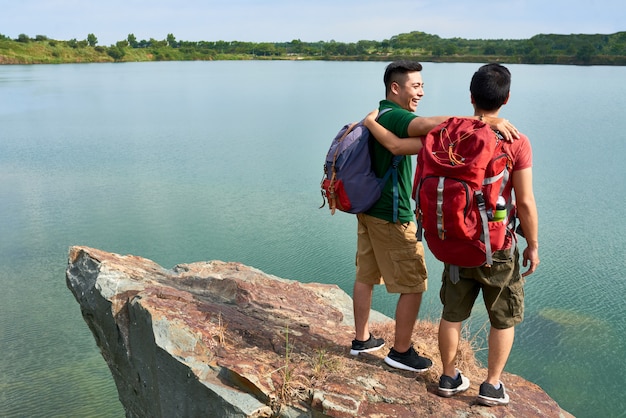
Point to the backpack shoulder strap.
(396, 195)
(393, 172)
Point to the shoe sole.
(367, 350)
(446, 393)
(397, 365)
(487, 401)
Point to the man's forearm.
(526, 206)
(527, 214)
(421, 125)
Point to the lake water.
(191, 161)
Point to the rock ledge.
(223, 339)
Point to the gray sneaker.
(449, 386)
(408, 361)
(372, 344)
(490, 396)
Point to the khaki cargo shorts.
(390, 254)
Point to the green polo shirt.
(397, 121)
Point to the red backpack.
(461, 174)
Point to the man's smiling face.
(409, 92)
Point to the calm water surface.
(184, 162)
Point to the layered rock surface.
(216, 339)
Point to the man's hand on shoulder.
(506, 128)
(370, 119)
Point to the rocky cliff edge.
(216, 339)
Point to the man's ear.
(395, 87)
(472, 99)
(508, 96)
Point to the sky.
(309, 21)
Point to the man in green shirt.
(387, 252)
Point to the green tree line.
(578, 49)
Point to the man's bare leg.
(361, 304)
(406, 314)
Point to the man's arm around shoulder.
(421, 125)
(389, 140)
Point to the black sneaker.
(449, 386)
(408, 361)
(372, 344)
(490, 396)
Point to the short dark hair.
(490, 86)
(397, 70)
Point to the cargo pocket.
(516, 300)
(409, 267)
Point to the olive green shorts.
(390, 254)
(502, 287)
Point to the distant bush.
(116, 52)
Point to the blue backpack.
(349, 182)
